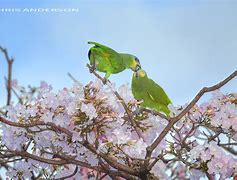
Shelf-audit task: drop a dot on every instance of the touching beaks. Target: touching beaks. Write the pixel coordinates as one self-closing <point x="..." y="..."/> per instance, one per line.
<point x="136" y="74"/>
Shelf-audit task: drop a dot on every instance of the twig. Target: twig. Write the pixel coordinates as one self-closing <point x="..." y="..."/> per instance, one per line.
<point x="229" y="149"/>
<point x="40" y="159"/>
<point x="154" y="113"/>
<point x="229" y="144"/>
<point x="73" y="78"/>
<point x="185" y="111"/>
<point x="36" y="123"/>
<point x="60" y="162"/>
<point x="211" y="138"/>
<point x="68" y="176"/>
<point x="15" y="93"/>
<point x="9" y="78"/>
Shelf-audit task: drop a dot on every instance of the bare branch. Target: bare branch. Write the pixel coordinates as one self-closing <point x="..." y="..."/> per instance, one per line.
<point x="9" y="78"/>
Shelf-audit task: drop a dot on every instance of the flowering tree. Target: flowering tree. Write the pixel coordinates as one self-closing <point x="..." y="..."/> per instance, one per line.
<point x="95" y="132"/>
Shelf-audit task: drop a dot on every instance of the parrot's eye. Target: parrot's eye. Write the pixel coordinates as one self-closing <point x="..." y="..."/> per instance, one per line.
<point x="137" y="60"/>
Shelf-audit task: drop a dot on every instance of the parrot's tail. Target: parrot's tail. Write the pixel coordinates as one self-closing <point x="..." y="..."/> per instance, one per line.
<point x="89" y="53"/>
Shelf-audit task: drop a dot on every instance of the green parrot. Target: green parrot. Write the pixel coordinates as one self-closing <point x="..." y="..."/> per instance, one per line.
<point x="152" y="94"/>
<point x="107" y="60"/>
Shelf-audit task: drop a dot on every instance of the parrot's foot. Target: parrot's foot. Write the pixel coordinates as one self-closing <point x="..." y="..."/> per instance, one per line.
<point x="92" y="69"/>
<point x="104" y="80"/>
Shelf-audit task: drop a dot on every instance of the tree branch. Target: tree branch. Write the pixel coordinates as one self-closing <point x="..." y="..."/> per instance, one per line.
<point x="175" y="119"/>
<point x="108" y="158"/>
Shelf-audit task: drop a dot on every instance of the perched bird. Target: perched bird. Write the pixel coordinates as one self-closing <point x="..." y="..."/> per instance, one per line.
<point x="107" y="60"/>
<point x="153" y="96"/>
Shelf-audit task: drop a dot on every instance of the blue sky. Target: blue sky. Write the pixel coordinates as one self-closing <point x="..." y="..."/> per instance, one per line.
<point x="183" y="45"/>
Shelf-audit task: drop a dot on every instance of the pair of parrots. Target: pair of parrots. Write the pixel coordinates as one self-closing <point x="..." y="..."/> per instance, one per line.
<point x="107" y="60"/>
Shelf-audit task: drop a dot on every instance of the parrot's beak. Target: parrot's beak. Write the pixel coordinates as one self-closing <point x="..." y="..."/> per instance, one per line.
<point x="138" y="67"/>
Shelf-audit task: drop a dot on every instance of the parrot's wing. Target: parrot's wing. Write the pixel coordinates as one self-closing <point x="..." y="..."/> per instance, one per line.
<point x="157" y="94"/>
<point x="136" y="92"/>
<point x="103" y="47"/>
<point x="109" y="55"/>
